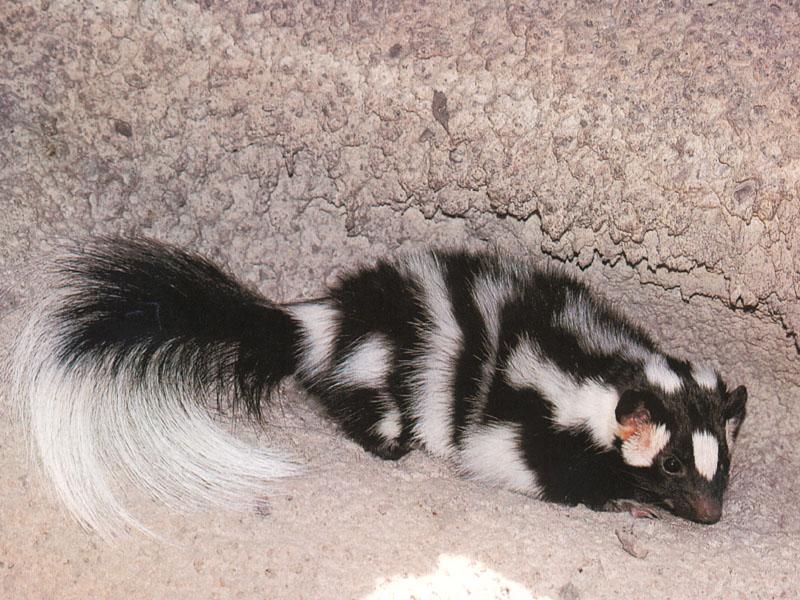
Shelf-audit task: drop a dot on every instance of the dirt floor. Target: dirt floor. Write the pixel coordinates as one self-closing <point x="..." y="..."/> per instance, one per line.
<point x="653" y="150"/>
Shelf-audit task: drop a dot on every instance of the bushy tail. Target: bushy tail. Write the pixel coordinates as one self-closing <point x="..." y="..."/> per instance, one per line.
<point x="115" y="365"/>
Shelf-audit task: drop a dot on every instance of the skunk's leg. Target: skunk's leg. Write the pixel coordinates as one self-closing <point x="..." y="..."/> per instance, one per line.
<point x="370" y="418"/>
<point x="637" y="509"/>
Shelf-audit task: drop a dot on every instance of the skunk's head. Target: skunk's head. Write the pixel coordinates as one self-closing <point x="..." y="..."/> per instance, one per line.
<point x="677" y="445"/>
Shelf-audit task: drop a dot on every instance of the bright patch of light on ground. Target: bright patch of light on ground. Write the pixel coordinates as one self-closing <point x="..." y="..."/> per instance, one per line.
<point x="455" y="578"/>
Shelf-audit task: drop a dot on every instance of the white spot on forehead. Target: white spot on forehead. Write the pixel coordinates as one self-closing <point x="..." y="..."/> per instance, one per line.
<point x="706" y="453"/>
<point x="368" y="365"/>
<point x="588" y="404"/>
<point x="492" y="453"/>
<point x="658" y="373"/>
<point x="641" y="449"/>
<point x="704" y="376"/>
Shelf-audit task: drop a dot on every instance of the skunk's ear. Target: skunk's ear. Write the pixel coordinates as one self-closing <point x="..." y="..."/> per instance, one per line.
<point x="734" y="410"/>
<point x="641" y="438"/>
<point x="632" y="413"/>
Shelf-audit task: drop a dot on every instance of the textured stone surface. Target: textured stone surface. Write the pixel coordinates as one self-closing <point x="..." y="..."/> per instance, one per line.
<point x="656" y="148"/>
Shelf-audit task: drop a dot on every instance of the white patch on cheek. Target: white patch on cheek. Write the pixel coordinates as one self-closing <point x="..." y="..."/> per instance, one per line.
<point x="704" y="376"/>
<point x="706" y="453"/>
<point x="658" y="373"/>
<point x="641" y="448"/>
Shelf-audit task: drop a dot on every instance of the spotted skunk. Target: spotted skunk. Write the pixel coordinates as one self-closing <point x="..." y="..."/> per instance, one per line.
<point x="520" y="377"/>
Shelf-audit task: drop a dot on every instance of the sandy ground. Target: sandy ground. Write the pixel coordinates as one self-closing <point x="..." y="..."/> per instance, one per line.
<point x="654" y="148"/>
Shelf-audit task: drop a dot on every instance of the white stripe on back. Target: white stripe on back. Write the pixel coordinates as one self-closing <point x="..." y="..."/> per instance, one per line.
<point x="492" y="453"/>
<point x="319" y="322"/>
<point x="589" y="404"/>
<point x="704" y="376"/>
<point x="442" y="343"/>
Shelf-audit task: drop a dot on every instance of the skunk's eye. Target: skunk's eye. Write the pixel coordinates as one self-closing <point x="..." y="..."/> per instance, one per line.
<point x="671" y="465"/>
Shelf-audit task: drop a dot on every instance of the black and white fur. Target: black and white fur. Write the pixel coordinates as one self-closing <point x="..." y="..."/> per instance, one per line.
<point x="520" y="377"/>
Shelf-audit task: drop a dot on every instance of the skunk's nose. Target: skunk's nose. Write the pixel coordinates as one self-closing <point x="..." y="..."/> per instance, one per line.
<point x="706" y="509"/>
